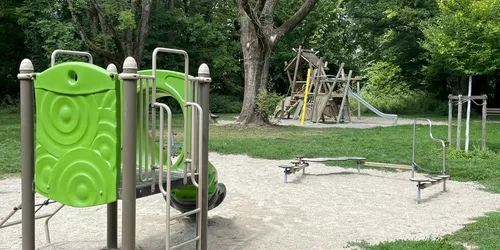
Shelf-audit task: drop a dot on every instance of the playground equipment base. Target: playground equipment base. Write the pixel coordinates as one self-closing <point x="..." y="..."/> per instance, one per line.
<point x="143" y="188"/>
<point x="301" y="163"/>
<point x="423" y="183"/>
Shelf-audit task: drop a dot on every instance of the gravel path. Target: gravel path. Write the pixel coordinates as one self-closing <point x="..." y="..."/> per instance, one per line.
<point x="325" y="209"/>
<point x="365" y="122"/>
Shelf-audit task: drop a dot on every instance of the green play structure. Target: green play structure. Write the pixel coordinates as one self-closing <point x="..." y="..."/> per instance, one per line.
<point x="78" y="134"/>
<point x="90" y="121"/>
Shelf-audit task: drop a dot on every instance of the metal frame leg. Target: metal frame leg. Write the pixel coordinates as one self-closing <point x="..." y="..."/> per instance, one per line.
<point x="129" y="153"/>
<point x="27" y="154"/>
<point x="46" y="223"/>
<point x="112" y="225"/>
<point x="418" y="193"/>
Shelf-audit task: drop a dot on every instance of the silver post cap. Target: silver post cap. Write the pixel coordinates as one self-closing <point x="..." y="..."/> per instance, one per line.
<point x="112" y="68"/>
<point x="203" y="74"/>
<point x="203" y="70"/>
<point x="129" y="64"/>
<point x="26" y="66"/>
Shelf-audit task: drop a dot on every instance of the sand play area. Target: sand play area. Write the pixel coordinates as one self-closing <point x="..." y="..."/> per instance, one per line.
<point x="327" y="208"/>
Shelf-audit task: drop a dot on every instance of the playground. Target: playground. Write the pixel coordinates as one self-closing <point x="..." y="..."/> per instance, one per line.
<point x="356" y="181"/>
<point x="261" y="212"/>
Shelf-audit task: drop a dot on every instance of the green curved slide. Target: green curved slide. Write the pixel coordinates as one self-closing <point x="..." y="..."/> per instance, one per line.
<point x="78" y="136"/>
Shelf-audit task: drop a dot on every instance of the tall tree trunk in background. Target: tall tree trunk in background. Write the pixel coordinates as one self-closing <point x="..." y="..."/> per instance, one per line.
<point x="258" y="38"/>
<point x="125" y="43"/>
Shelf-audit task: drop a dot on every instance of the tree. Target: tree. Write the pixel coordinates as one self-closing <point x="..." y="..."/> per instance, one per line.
<point x="464" y="36"/>
<point x="12" y="49"/>
<point x="112" y="29"/>
<point x="258" y="38"/>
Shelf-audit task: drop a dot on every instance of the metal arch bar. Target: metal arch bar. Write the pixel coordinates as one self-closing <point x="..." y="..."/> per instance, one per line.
<point x="166" y="193"/>
<point x="69" y="52"/>
<point x="443" y="145"/>
<point x="186" y="85"/>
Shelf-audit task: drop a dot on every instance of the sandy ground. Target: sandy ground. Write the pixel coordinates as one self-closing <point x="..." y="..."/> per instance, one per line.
<point x="325" y="209"/>
<point x="364" y="122"/>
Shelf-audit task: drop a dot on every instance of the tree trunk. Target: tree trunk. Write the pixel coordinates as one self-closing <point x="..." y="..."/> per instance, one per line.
<point x="258" y="38"/>
<point x="254" y="54"/>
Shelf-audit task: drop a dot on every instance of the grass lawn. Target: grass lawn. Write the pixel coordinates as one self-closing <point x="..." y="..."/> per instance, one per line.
<point x="389" y="145"/>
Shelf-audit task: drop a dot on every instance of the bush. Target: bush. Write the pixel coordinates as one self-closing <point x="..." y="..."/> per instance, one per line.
<point x="9" y="104"/>
<point x="225" y="104"/>
<point x="267" y="101"/>
<point x="387" y="91"/>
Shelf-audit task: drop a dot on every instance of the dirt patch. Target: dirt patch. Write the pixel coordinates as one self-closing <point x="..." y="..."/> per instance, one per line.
<point x="325" y="209"/>
<point x="363" y="123"/>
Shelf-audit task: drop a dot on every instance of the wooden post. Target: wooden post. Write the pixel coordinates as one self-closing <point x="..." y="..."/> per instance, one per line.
<point x="316" y="84"/>
<point x="450" y="118"/>
<point x="483" y="121"/>
<point x="341" y="109"/>
<point x="459" y="120"/>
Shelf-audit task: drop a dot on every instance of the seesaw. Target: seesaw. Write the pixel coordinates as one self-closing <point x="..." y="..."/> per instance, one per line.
<point x="301" y="163"/>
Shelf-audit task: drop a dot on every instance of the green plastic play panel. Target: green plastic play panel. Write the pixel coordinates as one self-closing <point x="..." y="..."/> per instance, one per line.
<point x="78" y="133"/>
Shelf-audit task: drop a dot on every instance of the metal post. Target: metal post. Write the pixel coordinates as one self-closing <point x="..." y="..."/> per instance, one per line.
<point x="418" y="193"/>
<point x="459" y="120"/>
<point x="413" y="148"/>
<point x="359" y="104"/>
<point x="27" y="154"/>
<point x="203" y="91"/>
<point x="129" y="77"/>
<point x="483" y="121"/>
<point x="112" y="213"/>
<point x="467" y="123"/>
<point x="450" y="118"/>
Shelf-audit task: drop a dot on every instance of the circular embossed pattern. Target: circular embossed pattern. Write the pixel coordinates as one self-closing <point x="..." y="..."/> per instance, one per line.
<point x="106" y="141"/>
<point x="67" y="122"/>
<point x="82" y="178"/>
<point x="43" y="170"/>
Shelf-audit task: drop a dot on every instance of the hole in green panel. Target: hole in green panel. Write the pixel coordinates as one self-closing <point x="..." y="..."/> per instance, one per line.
<point x="73" y="77"/>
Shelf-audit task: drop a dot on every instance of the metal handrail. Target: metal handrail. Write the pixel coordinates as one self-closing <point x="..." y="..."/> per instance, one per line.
<point x="69" y="52"/>
<point x="169" y="148"/>
<point x="433" y="138"/>
<point x="200" y="140"/>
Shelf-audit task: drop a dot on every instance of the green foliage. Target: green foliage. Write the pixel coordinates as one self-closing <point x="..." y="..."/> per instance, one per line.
<point x="389" y="31"/>
<point x="483" y="232"/>
<point x="410" y="245"/>
<point x="47" y="27"/>
<point x="208" y="32"/>
<point x="387" y="90"/>
<point x="463" y="38"/>
<point x="267" y="101"/>
<point x="225" y="104"/>
<point x="126" y="20"/>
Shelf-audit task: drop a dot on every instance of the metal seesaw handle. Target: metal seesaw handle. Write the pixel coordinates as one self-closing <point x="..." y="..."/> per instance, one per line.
<point x="443" y="145"/>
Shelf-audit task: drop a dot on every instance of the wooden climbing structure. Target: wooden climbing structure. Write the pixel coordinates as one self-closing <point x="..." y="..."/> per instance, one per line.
<point x="328" y="95"/>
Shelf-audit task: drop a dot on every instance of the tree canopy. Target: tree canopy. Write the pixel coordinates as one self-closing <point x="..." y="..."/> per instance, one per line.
<point x="396" y="45"/>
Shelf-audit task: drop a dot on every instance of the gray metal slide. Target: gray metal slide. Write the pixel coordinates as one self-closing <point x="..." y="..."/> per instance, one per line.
<point x="369" y="106"/>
